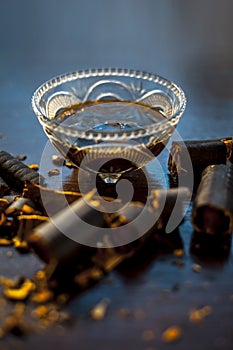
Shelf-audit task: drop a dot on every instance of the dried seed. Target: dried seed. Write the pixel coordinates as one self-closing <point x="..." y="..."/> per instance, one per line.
<point x="57" y="160"/>
<point x="22" y="246"/>
<point x="21" y="206"/>
<point x="178" y="253"/>
<point x="5" y="242"/>
<point x="53" y="172"/>
<point x="112" y="262"/>
<point x="196" y="267"/>
<point x="172" y="334"/>
<point x="42" y="296"/>
<point x="69" y="165"/>
<point x="197" y="315"/>
<point x="21" y="157"/>
<point x="99" y="311"/>
<point x="53" y="316"/>
<point x="86" y="277"/>
<point x="41" y="311"/>
<point x="20" y="293"/>
<point x="9" y="283"/>
<point x="14" y="322"/>
<point x="34" y="166"/>
<point x="40" y="275"/>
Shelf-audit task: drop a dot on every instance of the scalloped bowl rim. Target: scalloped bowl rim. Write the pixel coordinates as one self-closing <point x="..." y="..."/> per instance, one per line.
<point x="97" y="72"/>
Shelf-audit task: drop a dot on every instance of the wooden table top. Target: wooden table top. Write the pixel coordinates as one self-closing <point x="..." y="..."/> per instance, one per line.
<point x="157" y="292"/>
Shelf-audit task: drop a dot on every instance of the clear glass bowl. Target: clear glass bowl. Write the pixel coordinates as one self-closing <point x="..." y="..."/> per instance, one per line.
<point x="109" y="121"/>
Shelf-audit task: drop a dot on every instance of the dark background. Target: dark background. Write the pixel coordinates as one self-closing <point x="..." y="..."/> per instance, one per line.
<point x="189" y="42"/>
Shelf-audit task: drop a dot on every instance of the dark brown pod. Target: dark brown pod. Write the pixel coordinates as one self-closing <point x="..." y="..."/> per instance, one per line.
<point x="173" y="200"/>
<point x="164" y="212"/>
<point x="52" y="245"/>
<point x="231" y="153"/>
<point x="4" y="188"/>
<point x="160" y="201"/>
<point x="213" y="206"/>
<point x="15" y="173"/>
<point x="202" y="153"/>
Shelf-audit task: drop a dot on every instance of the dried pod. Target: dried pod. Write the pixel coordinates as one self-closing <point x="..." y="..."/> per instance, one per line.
<point x="161" y="204"/>
<point x="4" y="188"/>
<point x="51" y="244"/>
<point x="202" y="153"/>
<point x="49" y="240"/>
<point x="171" y="201"/>
<point x="137" y="224"/>
<point x="213" y="206"/>
<point x="15" y="173"/>
<point x="3" y="205"/>
<point x="214" y="246"/>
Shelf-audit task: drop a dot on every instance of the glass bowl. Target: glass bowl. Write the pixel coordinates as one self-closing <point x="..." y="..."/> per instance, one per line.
<point x="109" y="121"/>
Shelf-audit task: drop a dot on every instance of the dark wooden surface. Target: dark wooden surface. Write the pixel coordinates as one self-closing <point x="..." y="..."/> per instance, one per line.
<point x="188" y="42"/>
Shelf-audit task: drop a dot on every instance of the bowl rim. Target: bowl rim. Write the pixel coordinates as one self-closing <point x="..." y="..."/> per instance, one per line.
<point x="105" y="72"/>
